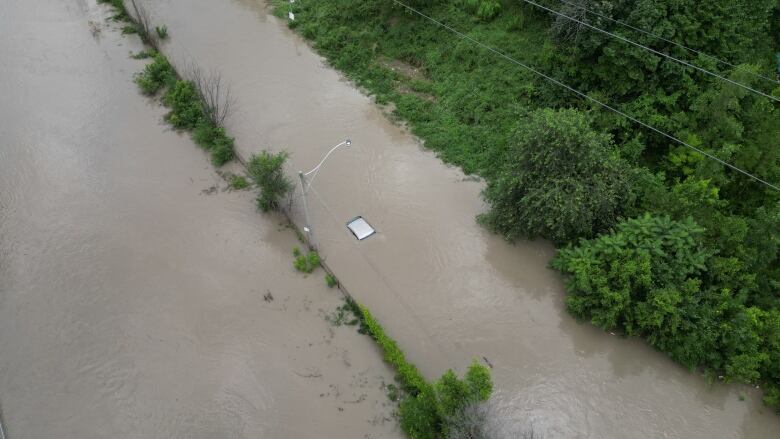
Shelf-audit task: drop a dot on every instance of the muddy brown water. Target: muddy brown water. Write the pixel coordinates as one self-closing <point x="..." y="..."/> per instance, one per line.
<point x="133" y="296"/>
<point x="446" y="289"/>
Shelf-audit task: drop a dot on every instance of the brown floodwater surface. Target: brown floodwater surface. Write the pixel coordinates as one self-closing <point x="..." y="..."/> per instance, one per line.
<point x="446" y="289"/>
<point x="138" y="297"/>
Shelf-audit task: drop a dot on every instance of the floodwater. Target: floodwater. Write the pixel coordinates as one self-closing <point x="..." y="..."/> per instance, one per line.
<point x="138" y="298"/>
<point x="447" y="290"/>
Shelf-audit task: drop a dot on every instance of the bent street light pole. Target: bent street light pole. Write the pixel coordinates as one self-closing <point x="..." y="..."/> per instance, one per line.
<point x="307" y="227"/>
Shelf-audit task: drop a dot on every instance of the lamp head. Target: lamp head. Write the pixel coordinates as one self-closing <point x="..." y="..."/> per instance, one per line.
<point x="348" y="143"/>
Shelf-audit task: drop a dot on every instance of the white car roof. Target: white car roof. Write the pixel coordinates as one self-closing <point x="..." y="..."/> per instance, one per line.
<point x="360" y="228"/>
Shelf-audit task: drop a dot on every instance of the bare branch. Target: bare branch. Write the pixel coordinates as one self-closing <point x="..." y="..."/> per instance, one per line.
<point x="143" y="20"/>
<point x="215" y="95"/>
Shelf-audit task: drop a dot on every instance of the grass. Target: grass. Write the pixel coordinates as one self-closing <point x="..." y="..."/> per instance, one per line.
<point x="331" y="280"/>
<point x="238" y="182"/>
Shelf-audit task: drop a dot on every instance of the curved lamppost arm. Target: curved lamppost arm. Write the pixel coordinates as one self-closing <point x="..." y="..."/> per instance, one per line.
<point x="316" y="169"/>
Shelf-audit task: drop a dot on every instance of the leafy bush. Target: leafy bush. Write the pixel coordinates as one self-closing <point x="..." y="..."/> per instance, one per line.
<point x="222" y="150"/>
<point x="306" y="263"/>
<point x="330" y="280"/>
<point x="267" y="172"/>
<point x="238" y="182"/>
<point x="561" y="181"/>
<point x="184" y="103"/>
<point x="156" y="75"/>
<point x="162" y="31"/>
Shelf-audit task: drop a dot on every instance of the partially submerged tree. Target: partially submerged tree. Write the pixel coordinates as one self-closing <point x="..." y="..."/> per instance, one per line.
<point x="561" y="181"/>
<point x="267" y="172"/>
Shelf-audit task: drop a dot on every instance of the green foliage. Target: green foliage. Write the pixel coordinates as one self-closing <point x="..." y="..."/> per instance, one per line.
<point x="267" y="172"/>
<point x="183" y="100"/>
<point x="162" y="32"/>
<point x="412" y="380"/>
<point x="238" y="182"/>
<point x="143" y="54"/>
<point x="330" y="280"/>
<point x="129" y="29"/>
<point x="484" y="9"/>
<point x="306" y="263"/>
<point x="119" y="7"/>
<point x="156" y="75"/>
<point x="561" y="180"/>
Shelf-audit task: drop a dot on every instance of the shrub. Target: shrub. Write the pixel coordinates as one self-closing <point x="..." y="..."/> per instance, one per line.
<point x="162" y="32"/>
<point x="143" y="54"/>
<point x="267" y="172"/>
<point x="129" y="29"/>
<point x="330" y="280"/>
<point x="238" y="182"/>
<point x="222" y="150"/>
<point x="155" y="75"/>
<point x="306" y="263"/>
<point x="183" y="101"/>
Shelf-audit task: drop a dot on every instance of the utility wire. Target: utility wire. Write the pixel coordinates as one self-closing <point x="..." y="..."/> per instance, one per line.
<point x="698" y="52"/>
<point x="584" y="95"/>
<point x="665" y="55"/>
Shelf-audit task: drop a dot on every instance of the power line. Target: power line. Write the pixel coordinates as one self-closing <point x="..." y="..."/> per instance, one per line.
<point x="584" y="95"/>
<point x="665" y="55"/>
<point x="698" y="52"/>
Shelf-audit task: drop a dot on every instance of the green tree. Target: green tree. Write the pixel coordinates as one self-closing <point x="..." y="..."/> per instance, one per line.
<point x="267" y="172"/>
<point x="561" y="181"/>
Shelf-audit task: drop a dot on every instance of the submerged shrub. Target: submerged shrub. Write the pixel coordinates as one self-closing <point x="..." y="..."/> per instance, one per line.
<point x="155" y="75"/>
<point x="222" y="150"/>
<point x="184" y="103"/>
<point x="162" y="32"/>
<point x="238" y="182"/>
<point x="267" y="172"/>
<point x="306" y="263"/>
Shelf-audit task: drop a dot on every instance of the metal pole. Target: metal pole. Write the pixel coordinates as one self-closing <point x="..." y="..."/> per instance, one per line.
<point x="307" y="226"/>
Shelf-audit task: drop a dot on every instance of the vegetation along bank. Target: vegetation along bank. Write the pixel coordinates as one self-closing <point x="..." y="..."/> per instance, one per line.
<point x="661" y="233"/>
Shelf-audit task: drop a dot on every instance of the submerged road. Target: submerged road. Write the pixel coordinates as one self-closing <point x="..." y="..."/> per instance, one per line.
<point x="446" y="289"/>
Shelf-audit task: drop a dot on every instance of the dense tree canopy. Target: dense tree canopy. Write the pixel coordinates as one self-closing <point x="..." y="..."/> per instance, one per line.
<point x="561" y="180"/>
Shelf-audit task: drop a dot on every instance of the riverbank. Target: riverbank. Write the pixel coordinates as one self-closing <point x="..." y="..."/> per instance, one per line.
<point x="444" y="288"/>
<point x="139" y="296"/>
